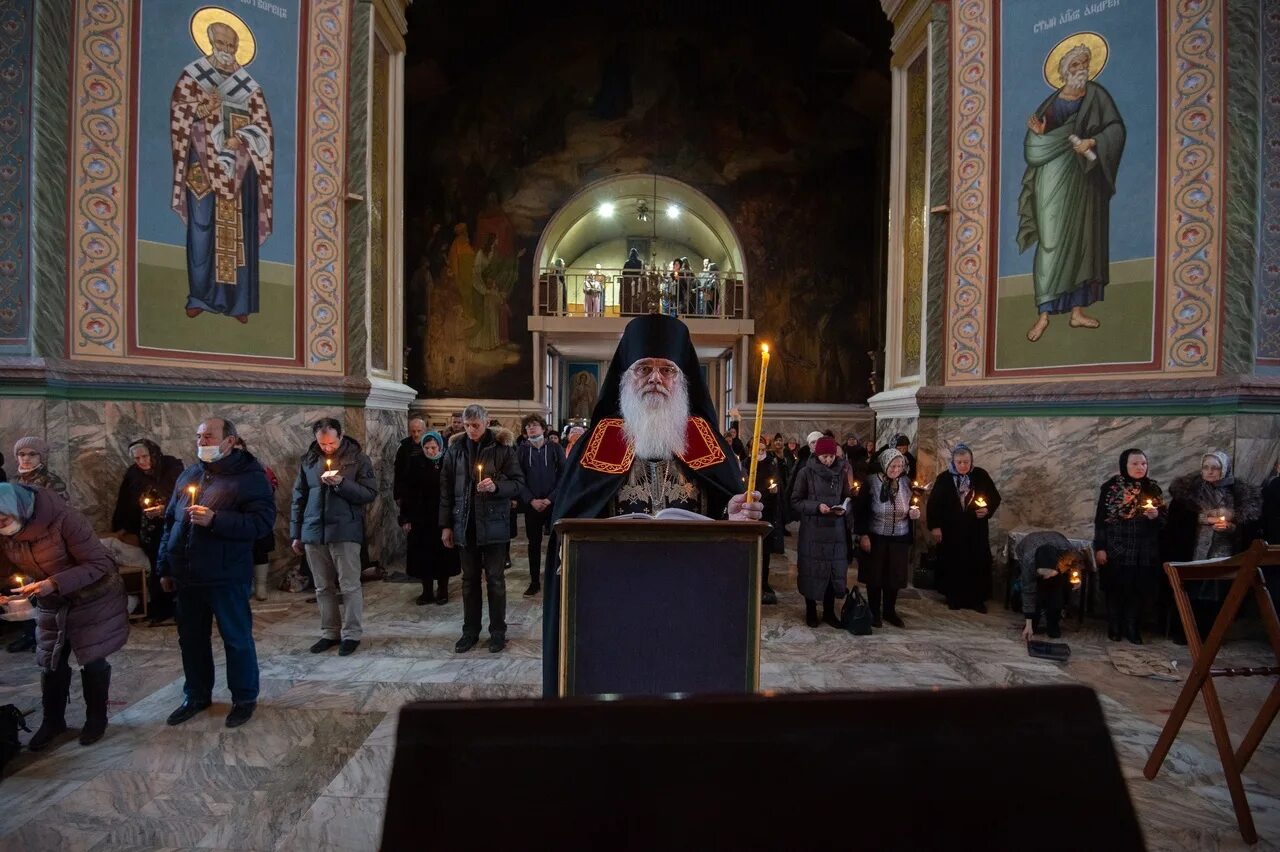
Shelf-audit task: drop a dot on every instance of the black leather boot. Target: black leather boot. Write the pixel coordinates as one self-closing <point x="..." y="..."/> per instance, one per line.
<point x="811" y="613"/>
<point x="1113" y="619"/>
<point x="1131" y="624"/>
<point x="54" y="687"/>
<point x="829" y="609"/>
<point x="97" y="685"/>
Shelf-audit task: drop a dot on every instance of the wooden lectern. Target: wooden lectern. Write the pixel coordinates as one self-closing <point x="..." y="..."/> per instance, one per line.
<point x="659" y="607"/>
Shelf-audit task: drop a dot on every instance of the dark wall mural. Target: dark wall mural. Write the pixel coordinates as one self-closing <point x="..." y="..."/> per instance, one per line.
<point x="781" y="120"/>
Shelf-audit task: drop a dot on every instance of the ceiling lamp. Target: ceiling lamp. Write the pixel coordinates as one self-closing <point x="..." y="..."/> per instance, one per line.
<point x="606" y="209"/>
<point x="673" y="212"/>
<point x="642" y="210"/>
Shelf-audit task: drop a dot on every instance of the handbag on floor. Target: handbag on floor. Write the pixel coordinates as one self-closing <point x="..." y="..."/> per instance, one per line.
<point x="855" y="615"/>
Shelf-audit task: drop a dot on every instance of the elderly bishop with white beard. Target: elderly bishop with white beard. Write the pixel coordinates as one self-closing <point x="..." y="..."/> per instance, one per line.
<point x="653" y="444"/>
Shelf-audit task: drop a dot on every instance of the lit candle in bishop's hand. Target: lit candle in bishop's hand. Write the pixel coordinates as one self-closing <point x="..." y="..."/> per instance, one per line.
<point x="764" y="372"/>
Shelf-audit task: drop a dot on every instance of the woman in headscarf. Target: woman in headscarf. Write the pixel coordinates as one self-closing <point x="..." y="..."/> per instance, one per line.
<point x="1126" y="543"/>
<point x="960" y="505"/>
<point x="882" y="523"/>
<point x="1211" y="514"/>
<point x="79" y="599"/>
<point x="139" y="515"/>
<point x="820" y="489"/>
<point x="427" y="559"/>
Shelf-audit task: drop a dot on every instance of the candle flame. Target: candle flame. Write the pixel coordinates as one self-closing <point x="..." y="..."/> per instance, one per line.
<point x="146" y="501"/>
<point x="980" y="502"/>
<point x="764" y="347"/>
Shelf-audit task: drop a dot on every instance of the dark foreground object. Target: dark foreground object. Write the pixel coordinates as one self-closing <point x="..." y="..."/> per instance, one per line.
<point x="1028" y="768"/>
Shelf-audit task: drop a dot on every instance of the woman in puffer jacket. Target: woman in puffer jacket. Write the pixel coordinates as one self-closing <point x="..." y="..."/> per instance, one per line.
<point x="49" y="553"/>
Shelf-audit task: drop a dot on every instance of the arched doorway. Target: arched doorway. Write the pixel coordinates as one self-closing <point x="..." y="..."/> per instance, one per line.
<point x="583" y="296"/>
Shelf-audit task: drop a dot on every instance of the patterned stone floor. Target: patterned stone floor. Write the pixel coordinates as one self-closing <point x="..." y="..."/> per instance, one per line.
<point x="310" y="770"/>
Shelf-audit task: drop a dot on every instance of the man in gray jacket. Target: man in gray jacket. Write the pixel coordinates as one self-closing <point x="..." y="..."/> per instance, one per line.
<point x="335" y="482"/>
<point x="479" y="478"/>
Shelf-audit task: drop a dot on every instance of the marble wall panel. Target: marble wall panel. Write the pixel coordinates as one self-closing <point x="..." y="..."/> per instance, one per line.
<point x="887" y="427"/>
<point x="89" y="448"/>
<point x="863" y="427"/>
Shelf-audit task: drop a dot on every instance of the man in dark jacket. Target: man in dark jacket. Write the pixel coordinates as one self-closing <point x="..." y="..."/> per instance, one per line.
<point x="541" y="463"/>
<point x="478" y="480"/>
<point x="335" y="482"/>
<point x="220" y="506"/>
<point x="409" y="448"/>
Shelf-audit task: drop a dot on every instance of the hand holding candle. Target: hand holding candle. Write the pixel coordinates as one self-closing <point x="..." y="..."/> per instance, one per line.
<point x="764" y="372"/>
<point x="980" y="502"/>
<point x="191" y="492"/>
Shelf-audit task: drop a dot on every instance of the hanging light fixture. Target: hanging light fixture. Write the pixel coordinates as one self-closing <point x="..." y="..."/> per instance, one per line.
<point x="642" y="210"/>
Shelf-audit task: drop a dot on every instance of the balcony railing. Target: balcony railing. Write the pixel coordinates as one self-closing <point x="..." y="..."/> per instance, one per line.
<point x="618" y="292"/>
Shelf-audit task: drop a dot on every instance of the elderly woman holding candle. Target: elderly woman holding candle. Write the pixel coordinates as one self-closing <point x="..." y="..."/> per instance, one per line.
<point x="50" y="554"/>
<point x="960" y="506"/>
<point x="138" y="518"/>
<point x="1211" y="514"/>
<point x="882" y="522"/>
<point x="1126" y="543"/>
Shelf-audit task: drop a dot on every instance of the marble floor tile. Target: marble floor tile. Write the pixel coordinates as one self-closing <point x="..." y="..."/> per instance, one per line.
<point x="311" y="769"/>
<point x="352" y="825"/>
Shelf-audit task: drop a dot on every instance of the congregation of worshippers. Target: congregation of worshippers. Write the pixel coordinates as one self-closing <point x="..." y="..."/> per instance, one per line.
<point x="202" y="516"/>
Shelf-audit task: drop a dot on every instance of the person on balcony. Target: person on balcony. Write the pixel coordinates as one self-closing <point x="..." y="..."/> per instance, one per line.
<point x="593" y="292"/>
<point x="630" y="295"/>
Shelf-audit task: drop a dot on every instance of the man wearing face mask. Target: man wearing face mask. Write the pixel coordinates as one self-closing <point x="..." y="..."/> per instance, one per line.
<point x="220" y="506"/>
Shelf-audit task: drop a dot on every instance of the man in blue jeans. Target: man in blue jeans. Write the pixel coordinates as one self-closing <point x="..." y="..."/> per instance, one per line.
<point x="221" y="505"/>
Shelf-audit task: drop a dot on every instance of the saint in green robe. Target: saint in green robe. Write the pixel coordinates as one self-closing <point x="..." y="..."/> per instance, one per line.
<point x="1064" y="206"/>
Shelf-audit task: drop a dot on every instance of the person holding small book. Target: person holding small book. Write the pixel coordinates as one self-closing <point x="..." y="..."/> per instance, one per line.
<point x="821" y="496"/>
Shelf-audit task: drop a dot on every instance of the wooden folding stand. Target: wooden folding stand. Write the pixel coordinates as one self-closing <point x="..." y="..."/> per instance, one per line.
<point x="1245" y="572"/>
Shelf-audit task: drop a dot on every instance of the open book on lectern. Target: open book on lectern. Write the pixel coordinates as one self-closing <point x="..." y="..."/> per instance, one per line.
<point x="672" y="514"/>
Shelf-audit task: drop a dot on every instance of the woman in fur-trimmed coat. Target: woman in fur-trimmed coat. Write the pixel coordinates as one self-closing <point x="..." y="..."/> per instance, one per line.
<point x="78" y="596"/>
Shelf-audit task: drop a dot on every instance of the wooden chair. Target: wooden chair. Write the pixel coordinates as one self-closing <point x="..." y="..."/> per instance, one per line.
<point x="1245" y="572"/>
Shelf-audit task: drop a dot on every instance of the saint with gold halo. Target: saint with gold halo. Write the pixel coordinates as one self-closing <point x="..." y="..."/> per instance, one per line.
<point x="1073" y="146"/>
<point x="223" y="150"/>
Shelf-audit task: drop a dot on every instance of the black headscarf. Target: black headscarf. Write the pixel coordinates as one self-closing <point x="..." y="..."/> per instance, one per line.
<point x="585" y="493"/>
<point x="1125" y="495"/>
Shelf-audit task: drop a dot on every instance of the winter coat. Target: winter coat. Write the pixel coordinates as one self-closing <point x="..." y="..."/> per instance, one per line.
<point x="426" y="556"/>
<point x="768" y="470"/>
<point x="329" y="514"/>
<point x="407" y="450"/>
<point x="460" y="504"/>
<point x="821" y="554"/>
<point x="1271" y="511"/>
<point x="1132" y="544"/>
<point x="236" y="488"/>
<point x="1178" y="541"/>
<point x="155" y="485"/>
<point x="89" y="609"/>
<point x="542" y="467"/>
<point x="42" y="477"/>
<point x="966" y="538"/>
<point x="1180" y="536"/>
